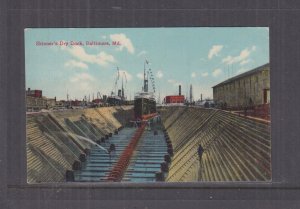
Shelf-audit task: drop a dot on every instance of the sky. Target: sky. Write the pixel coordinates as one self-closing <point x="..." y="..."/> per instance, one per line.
<point x="197" y="56"/>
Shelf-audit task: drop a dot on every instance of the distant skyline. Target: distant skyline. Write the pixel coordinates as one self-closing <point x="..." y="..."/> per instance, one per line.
<point x="201" y="56"/>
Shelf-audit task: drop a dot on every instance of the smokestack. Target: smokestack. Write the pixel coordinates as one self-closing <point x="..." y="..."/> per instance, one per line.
<point x="119" y="92"/>
<point x="179" y="90"/>
<point x="191" y="93"/>
<point x="201" y="98"/>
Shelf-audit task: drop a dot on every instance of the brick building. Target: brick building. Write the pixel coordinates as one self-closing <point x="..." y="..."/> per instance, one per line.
<point x="174" y="99"/>
<point x="34" y="93"/>
<point x="35" y="101"/>
<point x="251" y="88"/>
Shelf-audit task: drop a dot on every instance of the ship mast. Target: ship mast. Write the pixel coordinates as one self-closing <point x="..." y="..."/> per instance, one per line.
<point x="114" y="91"/>
<point x="145" y="79"/>
<point x="122" y="91"/>
<point x="124" y="86"/>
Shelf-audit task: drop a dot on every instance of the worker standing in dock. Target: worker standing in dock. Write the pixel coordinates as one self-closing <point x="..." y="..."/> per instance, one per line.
<point x="111" y="150"/>
<point x="200" y="152"/>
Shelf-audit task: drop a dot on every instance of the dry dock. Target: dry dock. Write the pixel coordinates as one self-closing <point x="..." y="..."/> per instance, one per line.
<point x="236" y="148"/>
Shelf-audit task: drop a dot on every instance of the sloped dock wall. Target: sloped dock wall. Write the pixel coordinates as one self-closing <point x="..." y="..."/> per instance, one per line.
<point x="236" y="148"/>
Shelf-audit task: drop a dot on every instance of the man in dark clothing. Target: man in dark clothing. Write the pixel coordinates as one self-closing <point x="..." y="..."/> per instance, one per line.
<point x="112" y="148"/>
<point x="206" y="104"/>
<point x="200" y="152"/>
<point x="245" y="111"/>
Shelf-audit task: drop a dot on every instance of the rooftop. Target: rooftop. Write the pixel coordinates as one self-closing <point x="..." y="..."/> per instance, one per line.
<point x="250" y="72"/>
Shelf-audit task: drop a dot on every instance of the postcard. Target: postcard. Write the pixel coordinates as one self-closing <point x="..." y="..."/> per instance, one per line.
<point x="186" y="104"/>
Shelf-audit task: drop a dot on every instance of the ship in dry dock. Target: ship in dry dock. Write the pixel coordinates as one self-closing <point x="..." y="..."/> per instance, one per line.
<point x="144" y="101"/>
<point x="118" y="96"/>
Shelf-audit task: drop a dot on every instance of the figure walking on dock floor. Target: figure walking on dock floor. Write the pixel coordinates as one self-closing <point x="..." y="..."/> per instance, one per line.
<point x="200" y="153"/>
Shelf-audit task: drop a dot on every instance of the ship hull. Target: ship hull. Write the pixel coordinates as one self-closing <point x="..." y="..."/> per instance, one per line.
<point x="114" y="101"/>
<point x="144" y="107"/>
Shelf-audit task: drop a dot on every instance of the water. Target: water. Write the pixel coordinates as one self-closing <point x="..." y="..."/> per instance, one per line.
<point x="82" y="138"/>
<point x="90" y="141"/>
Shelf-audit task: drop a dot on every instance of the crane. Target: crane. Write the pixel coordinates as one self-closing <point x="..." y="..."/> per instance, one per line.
<point x="116" y="83"/>
<point x="123" y="89"/>
<point x="98" y="95"/>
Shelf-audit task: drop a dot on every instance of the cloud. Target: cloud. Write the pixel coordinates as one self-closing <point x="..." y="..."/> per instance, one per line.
<point x="205" y="74"/>
<point x="81" y="84"/>
<point x="193" y="75"/>
<point x="214" y="51"/>
<point x="79" y="52"/>
<point x="81" y="77"/>
<point x="244" y="62"/>
<point x="244" y="55"/>
<point x="140" y="76"/>
<point x="217" y="72"/>
<point x="141" y="53"/>
<point x="159" y="74"/>
<point x="171" y="81"/>
<point x="84" y="86"/>
<point x="124" y="41"/>
<point x="76" y="64"/>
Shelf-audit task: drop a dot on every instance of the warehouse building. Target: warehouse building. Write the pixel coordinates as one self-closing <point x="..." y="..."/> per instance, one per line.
<point x="248" y="89"/>
<point x="35" y="101"/>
